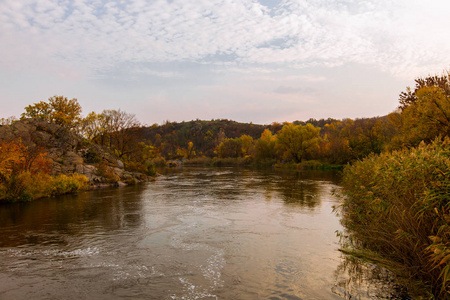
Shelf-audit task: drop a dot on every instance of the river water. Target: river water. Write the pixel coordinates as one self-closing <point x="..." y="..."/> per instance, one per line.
<point x="195" y="233"/>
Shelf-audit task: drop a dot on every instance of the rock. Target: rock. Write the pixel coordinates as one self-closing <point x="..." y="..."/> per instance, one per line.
<point x="79" y="169"/>
<point x="68" y="153"/>
<point x="71" y="158"/>
<point x="89" y="171"/>
<point x="120" y="164"/>
<point x="119" y="172"/>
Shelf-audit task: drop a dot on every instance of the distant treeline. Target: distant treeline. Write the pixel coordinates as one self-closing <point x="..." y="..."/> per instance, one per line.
<point x="422" y="115"/>
<point x="333" y="141"/>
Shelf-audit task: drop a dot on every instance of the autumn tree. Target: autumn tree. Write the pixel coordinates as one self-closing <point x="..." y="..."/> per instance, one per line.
<point x="12" y="156"/>
<point x="7" y="121"/>
<point x="190" y="152"/>
<point x="92" y="126"/>
<point x="364" y="136"/>
<point x="248" y="145"/>
<point x="230" y="148"/>
<point x="58" y="110"/>
<point x="297" y="140"/>
<point x="426" y="118"/>
<point x="16" y="157"/>
<point x="334" y="147"/>
<point x="119" y="130"/>
<point x="265" y="146"/>
<point x="440" y="81"/>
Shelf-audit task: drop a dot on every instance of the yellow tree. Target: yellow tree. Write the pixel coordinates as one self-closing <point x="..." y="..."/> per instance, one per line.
<point x="58" y="110"/>
<point x="297" y="140"/>
<point x="247" y="144"/>
<point x="190" y="153"/>
<point x="90" y="127"/>
<point x="427" y="117"/>
<point x="265" y="146"/>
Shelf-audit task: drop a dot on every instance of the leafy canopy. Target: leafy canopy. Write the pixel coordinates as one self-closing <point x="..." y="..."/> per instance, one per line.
<point x="58" y="110"/>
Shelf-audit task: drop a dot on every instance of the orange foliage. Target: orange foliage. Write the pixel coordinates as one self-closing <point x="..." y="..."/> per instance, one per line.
<point x="15" y="157"/>
<point x="12" y="158"/>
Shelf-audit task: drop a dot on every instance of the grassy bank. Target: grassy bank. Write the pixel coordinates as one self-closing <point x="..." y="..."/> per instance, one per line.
<point x="396" y="206"/>
<point x="309" y="165"/>
<point x="250" y="161"/>
<point x="219" y="162"/>
<point x="26" y="186"/>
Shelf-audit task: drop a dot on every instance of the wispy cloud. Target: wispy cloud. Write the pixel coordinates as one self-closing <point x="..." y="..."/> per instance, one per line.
<point x="258" y="60"/>
<point x="95" y="35"/>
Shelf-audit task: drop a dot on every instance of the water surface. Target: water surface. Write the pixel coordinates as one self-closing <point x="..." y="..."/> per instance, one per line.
<point x="196" y="233"/>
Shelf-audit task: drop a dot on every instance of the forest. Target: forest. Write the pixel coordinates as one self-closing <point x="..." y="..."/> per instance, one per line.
<point x="396" y="168"/>
<point x="422" y="116"/>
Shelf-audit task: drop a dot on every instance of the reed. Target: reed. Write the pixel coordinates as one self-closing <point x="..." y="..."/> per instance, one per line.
<point x="397" y="206"/>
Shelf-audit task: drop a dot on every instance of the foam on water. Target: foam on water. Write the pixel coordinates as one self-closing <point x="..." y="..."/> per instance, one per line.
<point x="90" y="251"/>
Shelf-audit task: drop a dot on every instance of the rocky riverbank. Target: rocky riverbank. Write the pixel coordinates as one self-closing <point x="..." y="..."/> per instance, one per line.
<point x="69" y="153"/>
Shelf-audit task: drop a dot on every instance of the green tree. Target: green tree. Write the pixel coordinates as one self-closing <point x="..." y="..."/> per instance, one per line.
<point x="297" y="140"/>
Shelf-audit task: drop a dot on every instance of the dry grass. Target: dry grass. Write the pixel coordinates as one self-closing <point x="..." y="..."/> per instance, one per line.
<point x="397" y="205"/>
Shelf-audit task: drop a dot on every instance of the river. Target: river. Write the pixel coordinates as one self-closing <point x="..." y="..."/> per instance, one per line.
<point x="195" y="233"/>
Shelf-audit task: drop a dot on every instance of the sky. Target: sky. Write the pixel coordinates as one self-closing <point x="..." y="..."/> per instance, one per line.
<point x="245" y="60"/>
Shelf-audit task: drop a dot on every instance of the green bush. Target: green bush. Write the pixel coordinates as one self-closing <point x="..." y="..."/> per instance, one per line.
<point x="397" y="205"/>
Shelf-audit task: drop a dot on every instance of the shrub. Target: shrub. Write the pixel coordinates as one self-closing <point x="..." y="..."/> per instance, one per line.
<point x="26" y="186"/>
<point x="146" y="168"/>
<point x="107" y="172"/>
<point x="397" y="205"/>
<point x="158" y="161"/>
<point x="63" y="184"/>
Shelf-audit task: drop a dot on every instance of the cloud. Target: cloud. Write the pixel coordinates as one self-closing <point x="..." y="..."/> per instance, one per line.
<point x="400" y="36"/>
<point x="293" y="90"/>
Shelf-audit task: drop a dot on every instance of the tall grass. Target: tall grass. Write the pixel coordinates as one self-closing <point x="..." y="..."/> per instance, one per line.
<point x="396" y="210"/>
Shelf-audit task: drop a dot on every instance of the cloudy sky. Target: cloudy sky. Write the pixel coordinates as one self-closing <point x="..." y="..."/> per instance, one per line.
<point x="246" y="60"/>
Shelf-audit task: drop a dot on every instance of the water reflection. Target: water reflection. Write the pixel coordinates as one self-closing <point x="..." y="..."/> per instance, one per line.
<point x="47" y="221"/>
<point x="195" y="233"/>
<point x="360" y="280"/>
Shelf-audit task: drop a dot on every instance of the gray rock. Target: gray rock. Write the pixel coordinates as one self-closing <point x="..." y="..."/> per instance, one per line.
<point x="68" y="153"/>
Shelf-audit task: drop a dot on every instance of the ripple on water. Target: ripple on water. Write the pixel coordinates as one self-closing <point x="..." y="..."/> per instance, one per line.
<point x="53" y="252"/>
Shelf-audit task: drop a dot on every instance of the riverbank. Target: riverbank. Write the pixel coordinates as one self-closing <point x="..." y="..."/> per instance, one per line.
<point x="251" y="162"/>
<point x="200" y="232"/>
<point x="41" y="159"/>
